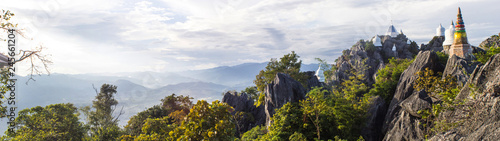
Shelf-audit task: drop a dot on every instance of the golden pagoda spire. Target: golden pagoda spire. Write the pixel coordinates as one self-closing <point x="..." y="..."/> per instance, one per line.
<point x="460" y="34"/>
<point x="460" y="46"/>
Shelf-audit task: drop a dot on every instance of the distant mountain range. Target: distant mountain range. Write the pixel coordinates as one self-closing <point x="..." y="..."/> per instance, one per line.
<point x="137" y="91"/>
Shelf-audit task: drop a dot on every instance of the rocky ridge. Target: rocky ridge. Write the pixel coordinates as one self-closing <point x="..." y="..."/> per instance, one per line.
<point x="399" y="119"/>
<point x="367" y="59"/>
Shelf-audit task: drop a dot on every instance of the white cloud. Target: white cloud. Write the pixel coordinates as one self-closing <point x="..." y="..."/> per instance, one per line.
<point x="166" y="35"/>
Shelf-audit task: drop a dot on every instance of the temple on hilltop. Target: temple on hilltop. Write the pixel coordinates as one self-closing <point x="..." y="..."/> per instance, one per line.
<point x="393" y="44"/>
<point x="377" y="41"/>
<point x="460" y="46"/>
<point x="448" y="38"/>
<point x="392" y="31"/>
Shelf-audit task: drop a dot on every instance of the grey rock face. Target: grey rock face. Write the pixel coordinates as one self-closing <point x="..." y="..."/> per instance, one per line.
<point x="493" y="41"/>
<point x="482" y="121"/>
<point x="282" y="89"/>
<point x="406" y="128"/>
<point x="253" y="115"/>
<point x="459" y="68"/>
<point x="400" y="123"/>
<point x="376" y="113"/>
<point x="436" y="44"/>
<point x="485" y="79"/>
<point x="416" y="102"/>
<point x="369" y="61"/>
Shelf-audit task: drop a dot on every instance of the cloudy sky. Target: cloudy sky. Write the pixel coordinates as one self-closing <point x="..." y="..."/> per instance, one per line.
<point x="96" y="36"/>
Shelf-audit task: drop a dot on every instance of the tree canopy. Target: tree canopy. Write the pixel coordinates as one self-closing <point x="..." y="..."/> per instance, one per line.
<point x="57" y="122"/>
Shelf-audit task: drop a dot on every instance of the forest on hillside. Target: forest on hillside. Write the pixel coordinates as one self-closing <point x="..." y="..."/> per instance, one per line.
<point x="344" y="107"/>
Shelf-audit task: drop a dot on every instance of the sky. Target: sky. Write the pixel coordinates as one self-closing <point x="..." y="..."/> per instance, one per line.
<point x="111" y="36"/>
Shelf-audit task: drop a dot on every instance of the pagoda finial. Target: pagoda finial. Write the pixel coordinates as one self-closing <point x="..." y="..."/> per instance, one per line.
<point x="460" y="46"/>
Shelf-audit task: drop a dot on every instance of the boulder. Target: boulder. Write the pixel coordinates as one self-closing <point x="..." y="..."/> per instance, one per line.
<point x="281" y="90"/>
<point x="416" y="102"/>
<point x="459" y="68"/>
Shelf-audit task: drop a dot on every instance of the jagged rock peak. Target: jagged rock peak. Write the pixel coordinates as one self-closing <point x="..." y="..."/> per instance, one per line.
<point x="281" y="90"/>
<point x="483" y="102"/>
<point x="400" y="123"/>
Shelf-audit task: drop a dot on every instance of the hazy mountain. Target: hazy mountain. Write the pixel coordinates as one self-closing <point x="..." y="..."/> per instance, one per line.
<point x="137" y="91"/>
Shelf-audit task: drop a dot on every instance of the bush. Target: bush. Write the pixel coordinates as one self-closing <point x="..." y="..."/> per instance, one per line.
<point x="484" y="57"/>
<point x="370" y="48"/>
<point x="443" y="57"/>
<point x="388" y="77"/>
<point x="444" y="90"/>
<point x="254" y="133"/>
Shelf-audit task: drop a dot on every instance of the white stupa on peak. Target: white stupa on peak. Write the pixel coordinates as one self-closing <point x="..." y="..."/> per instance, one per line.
<point x="391" y="31"/>
<point x="440" y="30"/>
<point x="449" y="37"/>
<point x="377" y="41"/>
<point x="319" y="74"/>
<point x="394" y="47"/>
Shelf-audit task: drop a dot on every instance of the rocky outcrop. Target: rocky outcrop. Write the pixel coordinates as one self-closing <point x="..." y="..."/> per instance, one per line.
<point x="436" y="44"/>
<point x="493" y="41"/>
<point x="401" y="123"/>
<point x="364" y="58"/>
<point x="252" y="116"/>
<point x="376" y="113"/>
<point x="416" y="102"/>
<point x="281" y="90"/>
<point x="480" y="114"/>
<point x="459" y="68"/>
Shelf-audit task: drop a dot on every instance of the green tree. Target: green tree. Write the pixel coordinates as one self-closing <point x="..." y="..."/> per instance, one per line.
<point x="350" y="103"/>
<point x="169" y="113"/>
<point x="136" y="122"/>
<point x="103" y="126"/>
<point x="370" y="48"/>
<point x="252" y="92"/>
<point x="286" y="121"/>
<point x="413" y="47"/>
<point x="443" y="57"/>
<point x="56" y="122"/>
<point x="177" y="103"/>
<point x="314" y="106"/>
<point x="5" y="25"/>
<point x="155" y="129"/>
<point x="288" y="64"/>
<point x="388" y="77"/>
<point x="254" y="133"/>
<point x="297" y="137"/>
<point x="206" y="122"/>
<point x="442" y="89"/>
